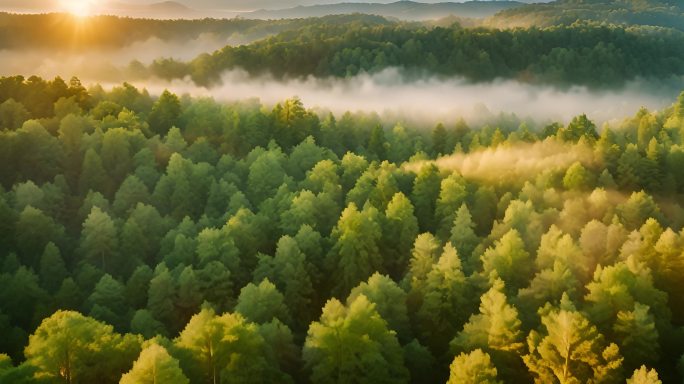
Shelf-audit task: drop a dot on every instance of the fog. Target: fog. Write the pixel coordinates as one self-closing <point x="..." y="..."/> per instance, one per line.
<point x="512" y="163"/>
<point x="433" y="99"/>
<point x="389" y="93"/>
<point x="109" y="65"/>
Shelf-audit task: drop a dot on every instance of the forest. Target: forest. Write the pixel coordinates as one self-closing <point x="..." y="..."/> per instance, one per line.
<point x="178" y="239"/>
<point x="166" y="230"/>
<point x="564" y="43"/>
<point x="60" y="31"/>
<point x="586" y="53"/>
<point x="661" y="13"/>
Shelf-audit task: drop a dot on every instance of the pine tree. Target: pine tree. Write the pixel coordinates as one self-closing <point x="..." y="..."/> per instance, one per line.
<point x="99" y="240"/>
<point x="52" y="268"/>
<point x="444" y="301"/>
<point x="495" y="328"/>
<point x="165" y="113"/>
<point x="638" y="336"/>
<point x="389" y="300"/>
<point x="439" y="140"/>
<point x="451" y="196"/>
<point x="262" y="303"/>
<point x="377" y="143"/>
<point x="473" y="368"/>
<point x="463" y="237"/>
<point x="401" y="229"/>
<point x="155" y="365"/>
<point x="569" y="349"/>
<point x="425" y="193"/>
<point x="356" y="254"/>
<point x="508" y="260"/>
<point x="353" y="344"/>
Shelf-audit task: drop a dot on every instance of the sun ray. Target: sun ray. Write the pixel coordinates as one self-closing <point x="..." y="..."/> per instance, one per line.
<point x="78" y="8"/>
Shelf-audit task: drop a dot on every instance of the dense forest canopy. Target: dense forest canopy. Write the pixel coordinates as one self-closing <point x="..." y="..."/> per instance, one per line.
<point x="159" y="237"/>
<point x="663" y="13"/>
<point x="580" y="54"/>
<point x="177" y="239"/>
<point x="594" y="43"/>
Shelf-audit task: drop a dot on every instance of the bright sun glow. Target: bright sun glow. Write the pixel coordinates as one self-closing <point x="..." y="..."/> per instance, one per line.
<point x="80" y="8"/>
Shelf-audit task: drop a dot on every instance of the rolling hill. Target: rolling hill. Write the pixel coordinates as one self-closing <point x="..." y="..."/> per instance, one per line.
<point x="404" y="10"/>
<point x="661" y="13"/>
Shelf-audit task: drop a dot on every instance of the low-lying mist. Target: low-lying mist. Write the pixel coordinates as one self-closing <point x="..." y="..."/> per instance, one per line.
<point x="112" y="65"/>
<point x="390" y="93"/>
<point x="433" y="99"/>
<point x="102" y="65"/>
<point x="512" y="163"/>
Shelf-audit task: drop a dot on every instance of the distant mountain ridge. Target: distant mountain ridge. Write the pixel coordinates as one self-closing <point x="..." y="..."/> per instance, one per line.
<point x="185" y="9"/>
<point x="405" y="10"/>
<point x="169" y="6"/>
<point x="163" y="9"/>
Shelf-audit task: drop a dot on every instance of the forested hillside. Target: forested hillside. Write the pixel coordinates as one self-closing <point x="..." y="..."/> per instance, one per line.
<point x="584" y="53"/>
<point x="176" y="239"/>
<point x="598" y="44"/>
<point x="662" y="13"/>
<point x="402" y="10"/>
<point x="59" y="31"/>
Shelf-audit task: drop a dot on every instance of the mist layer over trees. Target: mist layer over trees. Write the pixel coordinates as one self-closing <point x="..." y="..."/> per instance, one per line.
<point x="556" y="46"/>
<point x="180" y="240"/>
<point x="584" y="53"/>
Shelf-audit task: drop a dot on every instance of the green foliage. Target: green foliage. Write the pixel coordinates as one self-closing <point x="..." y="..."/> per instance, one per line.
<point x="99" y="240"/>
<point x="355" y="253"/>
<point x="495" y="328"/>
<point x="426" y="189"/>
<point x="401" y="228"/>
<point x="164" y="113"/>
<point x="595" y="54"/>
<point x="579" y="127"/>
<point x="34" y="231"/>
<point x="471" y="368"/>
<point x="75" y="349"/>
<point x="638" y="334"/>
<point x="389" y="300"/>
<point x="239" y="211"/>
<point x="577" y="177"/>
<point x="155" y="365"/>
<point x="353" y="344"/>
<point x="463" y="236"/>
<point x="52" y="268"/>
<point x="108" y="304"/>
<point x="262" y="303"/>
<point x="508" y="260"/>
<point x="12" y="114"/>
<point x="225" y="349"/>
<point x="443" y="301"/>
<point x="451" y="197"/>
<point x="569" y="349"/>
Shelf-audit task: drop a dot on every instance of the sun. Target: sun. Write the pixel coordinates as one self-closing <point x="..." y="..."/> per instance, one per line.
<point x="79" y="8"/>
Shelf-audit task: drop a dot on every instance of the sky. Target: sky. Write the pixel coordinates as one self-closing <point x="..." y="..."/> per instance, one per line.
<point x="235" y="5"/>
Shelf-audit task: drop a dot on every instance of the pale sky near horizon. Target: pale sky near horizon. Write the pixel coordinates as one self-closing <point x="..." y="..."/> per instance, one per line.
<point x="50" y="5"/>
